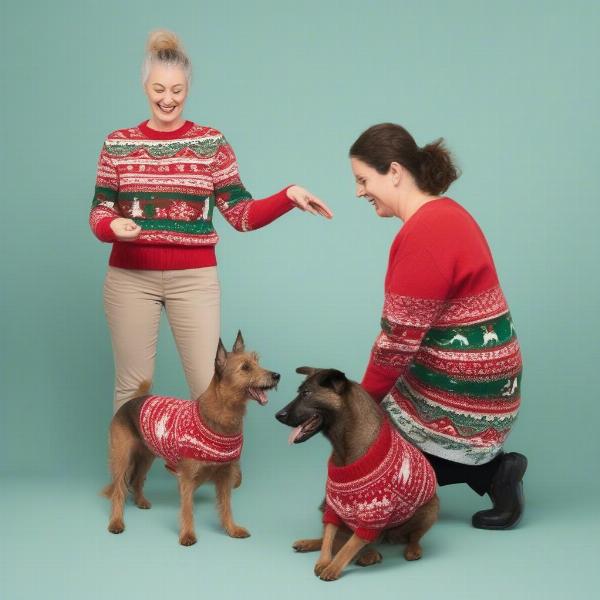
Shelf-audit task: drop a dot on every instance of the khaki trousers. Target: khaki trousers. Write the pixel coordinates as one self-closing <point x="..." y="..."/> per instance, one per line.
<point x="133" y="301"/>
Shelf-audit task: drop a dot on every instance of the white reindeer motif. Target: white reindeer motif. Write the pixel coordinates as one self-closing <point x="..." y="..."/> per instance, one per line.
<point x="461" y="339"/>
<point x="205" y="209"/>
<point x="509" y="388"/>
<point x="489" y="335"/>
<point x="136" y="209"/>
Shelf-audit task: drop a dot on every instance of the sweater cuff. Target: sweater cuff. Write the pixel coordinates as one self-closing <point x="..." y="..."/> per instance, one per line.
<point x="331" y="517"/>
<point x="103" y="231"/>
<point x="368" y="535"/>
<point x="282" y="195"/>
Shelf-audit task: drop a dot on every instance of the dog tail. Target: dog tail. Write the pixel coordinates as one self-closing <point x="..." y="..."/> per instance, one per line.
<point x="143" y="389"/>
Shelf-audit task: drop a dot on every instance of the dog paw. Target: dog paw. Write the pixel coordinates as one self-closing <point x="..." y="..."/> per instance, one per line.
<point x="238" y="532"/>
<point x="116" y="526"/>
<point x="143" y="503"/>
<point x="187" y="539"/>
<point x="368" y="558"/>
<point x="413" y="552"/>
<point x="330" y="573"/>
<point x="307" y="545"/>
<point x="320" y="566"/>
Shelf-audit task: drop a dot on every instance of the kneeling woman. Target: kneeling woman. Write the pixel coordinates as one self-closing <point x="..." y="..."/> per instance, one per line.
<point x="446" y="366"/>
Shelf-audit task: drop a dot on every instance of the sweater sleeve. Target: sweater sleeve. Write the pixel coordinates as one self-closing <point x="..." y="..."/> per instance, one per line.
<point x="235" y="202"/>
<point x="415" y="293"/>
<point x="104" y="204"/>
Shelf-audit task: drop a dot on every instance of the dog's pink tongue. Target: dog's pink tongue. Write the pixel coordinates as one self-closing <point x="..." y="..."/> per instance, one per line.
<point x="295" y="433"/>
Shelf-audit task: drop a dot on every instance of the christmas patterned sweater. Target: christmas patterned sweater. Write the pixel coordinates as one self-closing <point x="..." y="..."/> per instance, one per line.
<point x="447" y="362"/>
<point x="169" y="183"/>
<point x="382" y="489"/>
<point x="172" y="428"/>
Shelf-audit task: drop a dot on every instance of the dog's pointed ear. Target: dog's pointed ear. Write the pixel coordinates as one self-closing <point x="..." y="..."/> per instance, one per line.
<point x="220" y="359"/>
<point x="334" y="379"/>
<point x="239" y="345"/>
<point x="308" y="371"/>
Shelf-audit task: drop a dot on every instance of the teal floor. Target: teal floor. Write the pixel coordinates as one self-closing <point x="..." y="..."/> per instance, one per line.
<point x="54" y="545"/>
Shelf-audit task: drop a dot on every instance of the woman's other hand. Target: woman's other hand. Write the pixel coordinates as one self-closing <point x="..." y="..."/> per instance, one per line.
<point x="126" y="230"/>
<point x="306" y="201"/>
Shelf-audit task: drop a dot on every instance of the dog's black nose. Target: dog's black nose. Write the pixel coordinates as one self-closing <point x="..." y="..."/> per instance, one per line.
<point x="276" y="376"/>
<point x="282" y="416"/>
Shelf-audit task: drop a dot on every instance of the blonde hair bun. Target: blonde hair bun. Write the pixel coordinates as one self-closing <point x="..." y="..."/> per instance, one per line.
<point x="164" y="47"/>
<point x="162" y="40"/>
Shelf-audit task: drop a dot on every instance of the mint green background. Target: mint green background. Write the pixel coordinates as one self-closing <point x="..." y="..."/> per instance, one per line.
<point x="514" y="89"/>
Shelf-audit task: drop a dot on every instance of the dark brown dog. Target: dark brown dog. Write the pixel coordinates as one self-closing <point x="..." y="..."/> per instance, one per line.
<point x="327" y="401"/>
<point x="238" y="377"/>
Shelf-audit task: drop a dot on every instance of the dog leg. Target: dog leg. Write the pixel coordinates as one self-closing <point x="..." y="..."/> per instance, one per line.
<point x="238" y="475"/>
<point x="224" y="485"/>
<point x="142" y="463"/>
<point x="187" y="486"/>
<point x="342" y="559"/>
<point x="329" y="534"/>
<point x="418" y="525"/>
<point x="122" y="443"/>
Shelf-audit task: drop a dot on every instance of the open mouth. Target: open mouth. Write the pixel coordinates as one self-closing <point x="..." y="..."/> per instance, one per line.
<point x="259" y="394"/>
<point x="167" y="109"/>
<point x="306" y="429"/>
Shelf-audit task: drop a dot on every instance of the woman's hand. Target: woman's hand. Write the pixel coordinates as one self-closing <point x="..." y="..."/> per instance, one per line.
<point x="126" y="230"/>
<point x="304" y="200"/>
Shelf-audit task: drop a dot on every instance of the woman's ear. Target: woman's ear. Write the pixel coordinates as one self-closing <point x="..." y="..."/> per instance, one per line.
<point x="396" y="171"/>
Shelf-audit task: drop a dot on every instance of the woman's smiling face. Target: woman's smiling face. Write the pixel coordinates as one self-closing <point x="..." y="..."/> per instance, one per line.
<point x="378" y="189"/>
<point x="166" y="88"/>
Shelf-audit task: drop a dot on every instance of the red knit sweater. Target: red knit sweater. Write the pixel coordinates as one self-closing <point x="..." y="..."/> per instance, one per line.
<point x="380" y="490"/>
<point x="172" y="428"/>
<point x="447" y="359"/>
<point x="169" y="184"/>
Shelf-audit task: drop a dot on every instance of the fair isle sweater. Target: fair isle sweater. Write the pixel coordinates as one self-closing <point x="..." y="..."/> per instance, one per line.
<point x="380" y="490"/>
<point x="446" y="366"/>
<point x="172" y="429"/>
<point x="169" y="183"/>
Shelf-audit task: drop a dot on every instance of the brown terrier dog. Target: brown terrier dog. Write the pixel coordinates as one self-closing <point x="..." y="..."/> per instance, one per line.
<point x="200" y="441"/>
<point x="361" y="435"/>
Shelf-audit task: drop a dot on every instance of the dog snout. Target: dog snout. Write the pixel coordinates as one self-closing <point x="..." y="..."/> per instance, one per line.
<point x="275" y="376"/>
<point x="282" y="416"/>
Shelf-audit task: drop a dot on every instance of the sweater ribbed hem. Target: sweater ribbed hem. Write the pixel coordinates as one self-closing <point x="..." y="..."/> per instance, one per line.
<point x="366" y="464"/>
<point x="128" y="255"/>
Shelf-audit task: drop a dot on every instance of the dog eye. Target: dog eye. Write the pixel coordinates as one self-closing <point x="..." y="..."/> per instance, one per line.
<point x="245" y="367"/>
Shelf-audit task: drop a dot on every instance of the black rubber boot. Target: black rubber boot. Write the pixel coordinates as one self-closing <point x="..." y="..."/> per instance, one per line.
<point x="506" y="492"/>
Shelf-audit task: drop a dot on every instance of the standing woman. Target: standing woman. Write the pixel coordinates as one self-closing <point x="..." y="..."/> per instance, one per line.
<point x="446" y="366"/>
<point x="156" y="189"/>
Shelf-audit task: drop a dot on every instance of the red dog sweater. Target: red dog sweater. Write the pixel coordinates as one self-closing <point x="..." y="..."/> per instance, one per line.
<point x="382" y="489"/>
<point x="172" y="429"/>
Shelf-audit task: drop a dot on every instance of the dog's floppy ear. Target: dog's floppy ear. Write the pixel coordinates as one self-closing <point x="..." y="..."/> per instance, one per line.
<point x="334" y="379"/>
<point x="308" y="371"/>
<point x="239" y="345"/>
<point x="220" y="359"/>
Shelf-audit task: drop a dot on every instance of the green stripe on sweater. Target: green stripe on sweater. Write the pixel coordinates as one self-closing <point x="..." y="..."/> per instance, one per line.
<point x="235" y="193"/>
<point x="149" y="196"/>
<point x="472" y="337"/>
<point x="104" y="194"/>
<point x="486" y="389"/>
<point x="191" y="227"/>
<point x="201" y="147"/>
